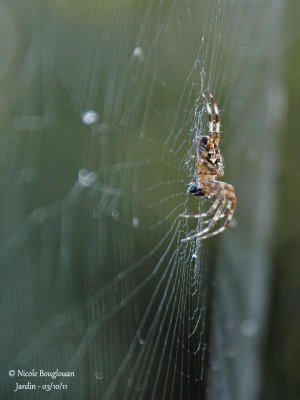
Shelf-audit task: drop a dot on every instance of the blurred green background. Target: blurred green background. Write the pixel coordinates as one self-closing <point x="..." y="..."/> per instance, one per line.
<point x="98" y="108"/>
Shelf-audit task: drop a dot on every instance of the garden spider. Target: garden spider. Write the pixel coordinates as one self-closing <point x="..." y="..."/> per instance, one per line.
<point x="209" y="167"/>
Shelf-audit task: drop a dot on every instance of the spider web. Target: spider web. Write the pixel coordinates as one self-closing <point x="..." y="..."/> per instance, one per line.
<point x="100" y="153"/>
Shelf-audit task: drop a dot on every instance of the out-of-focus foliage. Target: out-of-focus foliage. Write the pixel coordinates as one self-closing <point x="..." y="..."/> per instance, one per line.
<point x="282" y="360"/>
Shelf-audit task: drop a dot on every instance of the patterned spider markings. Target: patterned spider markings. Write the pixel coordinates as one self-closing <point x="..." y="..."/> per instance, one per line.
<point x="210" y="167"/>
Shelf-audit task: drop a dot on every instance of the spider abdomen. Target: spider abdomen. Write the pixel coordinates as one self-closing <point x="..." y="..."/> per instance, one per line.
<point x="215" y="158"/>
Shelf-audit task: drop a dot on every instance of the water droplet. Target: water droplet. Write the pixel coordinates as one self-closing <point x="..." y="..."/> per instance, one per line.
<point x="89" y="117"/>
<point x="249" y="328"/>
<point x="138" y="53"/>
<point x="135" y="222"/>
<point x="121" y="275"/>
<point x="86" y="178"/>
<point x="115" y="214"/>
<point x="99" y="375"/>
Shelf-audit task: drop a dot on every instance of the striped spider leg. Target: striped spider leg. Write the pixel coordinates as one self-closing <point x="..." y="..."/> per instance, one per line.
<point x="209" y="167"/>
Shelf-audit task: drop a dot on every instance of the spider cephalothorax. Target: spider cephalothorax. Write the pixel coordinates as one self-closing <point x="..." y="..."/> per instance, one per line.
<point x="209" y="167"/>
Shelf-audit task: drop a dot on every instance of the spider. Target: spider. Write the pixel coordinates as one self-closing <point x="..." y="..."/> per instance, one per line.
<point x="209" y="167"/>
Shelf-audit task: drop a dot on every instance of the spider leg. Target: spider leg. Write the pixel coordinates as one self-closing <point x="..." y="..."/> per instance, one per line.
<point x="210" y="119"/>
<point x="221" y="229"/>
<point x="218" y="215"/>
<point x="209" y="212"/>
<point x="225" y="208"/>
<point x="229" y="211"/>
<point x="199" y="236"/>
<point x="217" y="118"/>
<point x="206" y="214"/>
